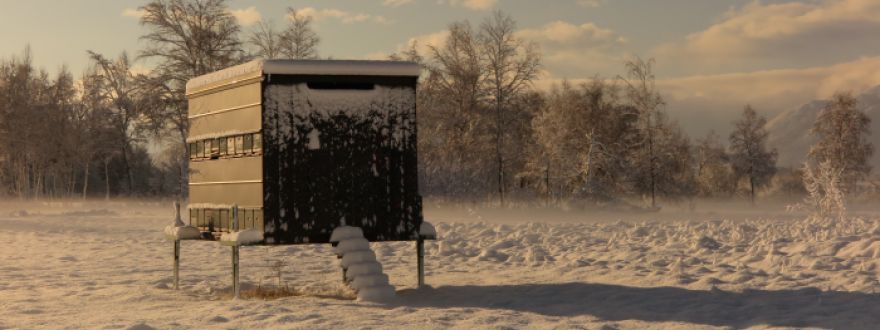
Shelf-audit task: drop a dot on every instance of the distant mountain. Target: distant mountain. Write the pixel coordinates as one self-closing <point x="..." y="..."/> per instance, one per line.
<point x="789" y="132"/>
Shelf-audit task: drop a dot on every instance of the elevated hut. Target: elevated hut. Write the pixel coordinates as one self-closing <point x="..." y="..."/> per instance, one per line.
<point x="303" y="147"/>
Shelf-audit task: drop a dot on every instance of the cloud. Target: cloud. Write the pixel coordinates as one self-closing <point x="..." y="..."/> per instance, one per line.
<point x="793" y="34"/>
<point x="472" y="4"/>
<point x="713" y="101"/>
<point x="343" y="16"/>
<point x="578" y="50"/>
<point x="423" y="45"/>
<point x="701" y="103"/>
<point x="396" y="3"/>
<point x="133" y="13"/>
<point x="246" y="17"/>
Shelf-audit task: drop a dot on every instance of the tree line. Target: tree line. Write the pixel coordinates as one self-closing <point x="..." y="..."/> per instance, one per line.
<point x="486" y="132"/>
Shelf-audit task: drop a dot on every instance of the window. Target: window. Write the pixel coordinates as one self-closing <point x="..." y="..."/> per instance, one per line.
<point x="215" y="148"/>
<point x="258" y="219"/>
<point x="207" y="150"/>
<point x="227" y="146"/>
<point x="224" y="219"/>
<point x="210" y="221"/>
<point x="239" y="145"/>
<point x="192" y="150"/>
<point x="248" y="143"/>
<point x="258" y="142"/>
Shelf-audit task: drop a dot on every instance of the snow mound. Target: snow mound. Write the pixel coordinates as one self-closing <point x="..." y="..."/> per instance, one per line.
<point x="176" y="233"/>
<point x="243" y="237"/>
<point x="427" y="230"/>
<point x="345" y="232"/>
<point x="363" y="272"/>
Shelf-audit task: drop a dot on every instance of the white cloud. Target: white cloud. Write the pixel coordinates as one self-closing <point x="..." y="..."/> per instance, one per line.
<point x="578" y="50"/>
<point x="472" y="4"/>
<point x="396" y="3"/>
<point x="133" y="13"/>
<point x="246" y="17"/>
<point x="341" y="15"/>
<point x="794" y="34"/>
<point x="701" y="103"/>
<point x="423" y="45"/>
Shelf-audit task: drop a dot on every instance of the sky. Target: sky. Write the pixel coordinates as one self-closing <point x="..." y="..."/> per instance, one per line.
<point x="712" y="57"/>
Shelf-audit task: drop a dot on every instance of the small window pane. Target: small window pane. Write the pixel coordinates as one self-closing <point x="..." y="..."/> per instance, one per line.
<point x="239" y="145"/>
<point x="192" y="150"/>
<point x="200" y="149"/>
<point x="230" y="145"/>
<point x="210" y="222"/>
<point x="248" y="143"/>
<point x="258" y="219"/>
<point x="215" y="147"/>
<point x="223" y="145"/>
<point x="258" y="142"/>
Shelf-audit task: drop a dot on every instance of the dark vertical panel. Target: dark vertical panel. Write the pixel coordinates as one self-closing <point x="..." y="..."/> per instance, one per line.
<point x="364" y="173"/>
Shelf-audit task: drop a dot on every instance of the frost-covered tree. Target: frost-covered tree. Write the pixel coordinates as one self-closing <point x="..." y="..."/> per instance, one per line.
<point x="715" y="176"/>
<point x="511" y="64"/>
<point x="643" y="95"/>
<point x="750" y="156"/>
<point x="453" y="145"/>
<point x="842" y="133"/>
<point x="582" y="137"/>
<point x="299" y="40"/>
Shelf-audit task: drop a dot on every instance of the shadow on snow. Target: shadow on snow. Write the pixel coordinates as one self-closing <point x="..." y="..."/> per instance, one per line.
<point x="808" y="307"/>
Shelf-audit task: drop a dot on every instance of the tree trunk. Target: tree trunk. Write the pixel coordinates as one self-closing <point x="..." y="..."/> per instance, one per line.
<point x="752" y="184"/>
<point x="651" y="162"/>
<point x="85" y="190"/>
<point x="106" y="180"/>
<point x="128" y="175"/>
<point x="498" y="153"/>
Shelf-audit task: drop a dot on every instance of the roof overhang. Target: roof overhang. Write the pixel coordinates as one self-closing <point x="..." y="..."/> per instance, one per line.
<point x="256" y="69"/>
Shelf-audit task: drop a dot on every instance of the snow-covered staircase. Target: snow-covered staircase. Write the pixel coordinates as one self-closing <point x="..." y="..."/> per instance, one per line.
<point x="363" y="272"/>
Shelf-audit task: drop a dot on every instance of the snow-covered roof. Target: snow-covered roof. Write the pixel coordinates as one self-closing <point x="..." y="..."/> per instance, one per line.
<point x="257" y="68"/>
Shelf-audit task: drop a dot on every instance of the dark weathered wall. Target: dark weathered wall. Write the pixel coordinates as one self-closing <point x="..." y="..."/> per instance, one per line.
<point x="339" y="150"/>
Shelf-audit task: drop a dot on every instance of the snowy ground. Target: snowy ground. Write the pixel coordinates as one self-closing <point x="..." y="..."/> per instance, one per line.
<point x="106" y="265"/>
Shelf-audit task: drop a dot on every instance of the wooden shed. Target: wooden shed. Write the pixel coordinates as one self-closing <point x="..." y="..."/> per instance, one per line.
<point x="303" y="147"/>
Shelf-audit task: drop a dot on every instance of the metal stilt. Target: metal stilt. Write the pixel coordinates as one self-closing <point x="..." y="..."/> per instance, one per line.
<point x="236" y="286"/>
<point x="420" y="259"/>
<point x="176" y="264"/>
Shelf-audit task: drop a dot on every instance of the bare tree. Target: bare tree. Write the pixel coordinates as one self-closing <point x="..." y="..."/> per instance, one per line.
<point x="451" y="139"/>
<point x="511" y="66"/>
<point x="266" y="40"/>
<point x="714" y="173"/>
<point x="118" y="86"/>
<point x="643" y="94"/>
<point x="842" y="130"/>
<point x="188" y="38"/>
<point x="749" y="153"/>
<point x="299" y="40"/>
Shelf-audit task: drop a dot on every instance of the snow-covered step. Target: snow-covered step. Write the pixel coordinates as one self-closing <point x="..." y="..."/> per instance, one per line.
<point x="363" y="272"/>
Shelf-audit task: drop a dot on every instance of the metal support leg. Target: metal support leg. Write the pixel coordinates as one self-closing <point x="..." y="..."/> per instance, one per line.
<point x="236" y="287"/>
<point x="176" y="264"/>
<point x="420" y="259"/>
